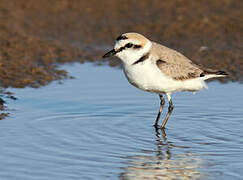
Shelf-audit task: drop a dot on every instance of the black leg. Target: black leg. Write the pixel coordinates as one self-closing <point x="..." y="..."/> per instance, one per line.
<point x="162" y="103"/>
<point x="170" y="109"/>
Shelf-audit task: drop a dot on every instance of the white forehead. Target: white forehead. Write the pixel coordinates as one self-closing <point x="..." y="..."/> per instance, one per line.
<point x="122" y="43"/>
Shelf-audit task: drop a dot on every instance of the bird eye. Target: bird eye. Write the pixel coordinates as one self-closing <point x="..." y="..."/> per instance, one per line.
<point x="129" y="45"/>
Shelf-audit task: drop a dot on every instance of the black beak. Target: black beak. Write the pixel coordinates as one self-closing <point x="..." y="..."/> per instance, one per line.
<point x="110" y="53"/>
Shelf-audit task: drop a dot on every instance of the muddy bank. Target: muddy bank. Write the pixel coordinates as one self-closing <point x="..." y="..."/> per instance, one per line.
<point x="36" y="36"/>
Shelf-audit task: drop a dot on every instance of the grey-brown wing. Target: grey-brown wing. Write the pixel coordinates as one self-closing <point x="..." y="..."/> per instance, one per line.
<point x="174" y="64"/>
<point x="178" y="71"/>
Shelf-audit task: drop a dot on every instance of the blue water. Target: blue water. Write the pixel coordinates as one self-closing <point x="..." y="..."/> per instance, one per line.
<point x="98" y="126"/>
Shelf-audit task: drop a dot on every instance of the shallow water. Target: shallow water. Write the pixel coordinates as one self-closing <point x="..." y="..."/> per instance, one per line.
<point x="97" y="126"/>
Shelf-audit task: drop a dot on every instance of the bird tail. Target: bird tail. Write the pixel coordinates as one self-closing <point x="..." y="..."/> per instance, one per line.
<point x="208" y="74"/>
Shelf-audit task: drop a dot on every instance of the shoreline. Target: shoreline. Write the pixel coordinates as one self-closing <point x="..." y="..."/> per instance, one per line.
<point x="36" y="37"/>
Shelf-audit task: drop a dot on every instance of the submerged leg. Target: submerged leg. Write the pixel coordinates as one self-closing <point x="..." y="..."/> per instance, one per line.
<point x="170" y="109"/>
<point x="162" y="103"/>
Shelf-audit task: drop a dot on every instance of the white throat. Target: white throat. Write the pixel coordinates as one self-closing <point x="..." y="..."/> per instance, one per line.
<point x="128" y="57"/>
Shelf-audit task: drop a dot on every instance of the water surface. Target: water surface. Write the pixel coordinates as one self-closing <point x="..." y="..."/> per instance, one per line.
<point x="97" y="126"/>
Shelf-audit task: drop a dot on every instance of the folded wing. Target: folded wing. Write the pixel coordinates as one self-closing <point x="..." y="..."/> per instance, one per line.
<point x="174" y="64"/>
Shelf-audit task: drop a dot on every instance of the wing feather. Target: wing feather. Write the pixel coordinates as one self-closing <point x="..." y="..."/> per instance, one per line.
<point x="174" y="64"/>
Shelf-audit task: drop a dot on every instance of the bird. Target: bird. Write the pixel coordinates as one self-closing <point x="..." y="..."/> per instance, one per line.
<point x="155" y="68"/>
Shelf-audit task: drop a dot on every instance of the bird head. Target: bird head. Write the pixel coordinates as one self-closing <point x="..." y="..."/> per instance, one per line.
<point x="129" y="47"/>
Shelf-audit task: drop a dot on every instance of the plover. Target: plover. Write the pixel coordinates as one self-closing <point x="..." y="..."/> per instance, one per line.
<point x="155" y="68"/>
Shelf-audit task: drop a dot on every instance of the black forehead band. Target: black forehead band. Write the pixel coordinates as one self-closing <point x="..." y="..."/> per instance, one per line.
<point x="121" y="37"/>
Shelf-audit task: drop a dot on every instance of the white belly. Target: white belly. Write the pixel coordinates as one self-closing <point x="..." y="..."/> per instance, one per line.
<point x="148" y="77"/>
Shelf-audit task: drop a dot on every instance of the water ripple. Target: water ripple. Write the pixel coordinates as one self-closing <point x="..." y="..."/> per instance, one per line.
<point x="65" y="132"/>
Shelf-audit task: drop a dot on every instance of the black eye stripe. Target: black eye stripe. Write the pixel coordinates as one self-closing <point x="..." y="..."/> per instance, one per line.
<point x="129" y="45"/>
<point x="137" y="46"/>
<point x="121" y="49"/>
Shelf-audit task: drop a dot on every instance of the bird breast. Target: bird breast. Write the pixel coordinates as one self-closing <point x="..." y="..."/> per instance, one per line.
<point x="146" y="76"/>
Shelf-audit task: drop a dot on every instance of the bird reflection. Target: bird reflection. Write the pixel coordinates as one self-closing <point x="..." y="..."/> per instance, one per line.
<point x="162" y="144"/>
<point x="162" y="163"/>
